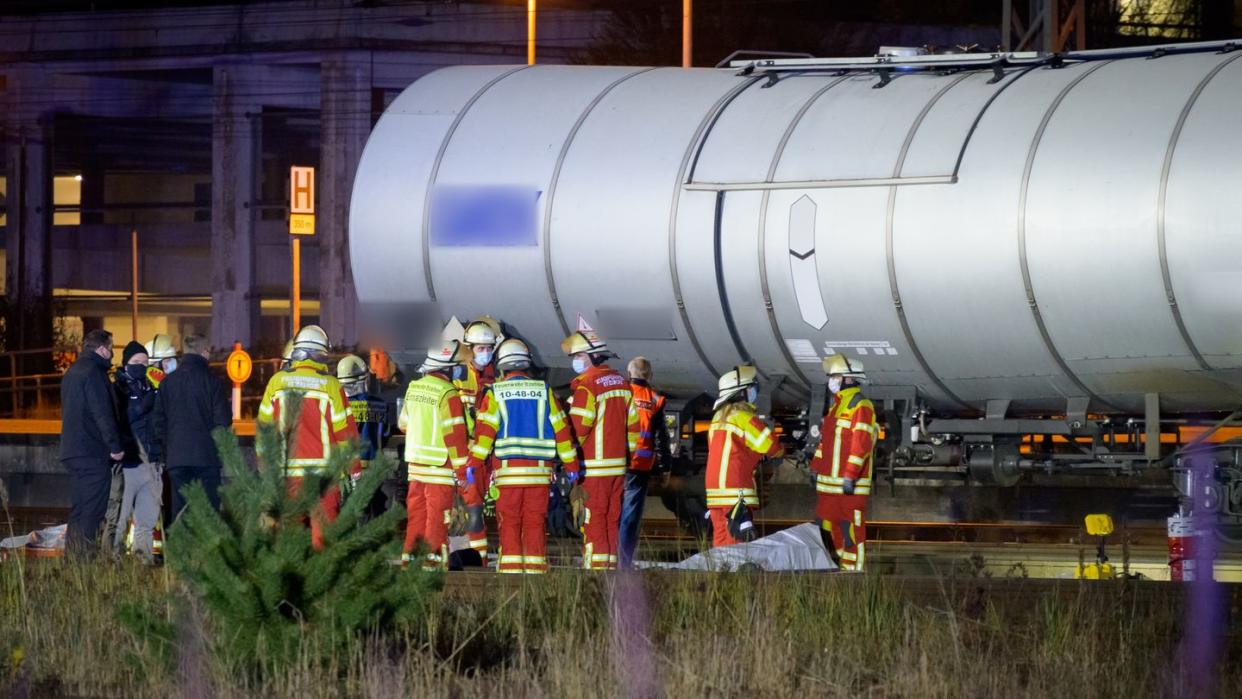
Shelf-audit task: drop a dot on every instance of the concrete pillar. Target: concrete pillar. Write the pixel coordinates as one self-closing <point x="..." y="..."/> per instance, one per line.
<point x="234" y="155"/>
<point x="345" y="123"/>
<point x="28" y="238"/>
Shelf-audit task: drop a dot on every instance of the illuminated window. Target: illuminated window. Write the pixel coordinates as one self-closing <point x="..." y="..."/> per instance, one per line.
<point x="67" y="198"/>
<point x="1167" y="19"/>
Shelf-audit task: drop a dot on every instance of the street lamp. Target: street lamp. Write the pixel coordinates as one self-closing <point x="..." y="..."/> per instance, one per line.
<point x="687" y="38"/>
<point x="530" y="32"/>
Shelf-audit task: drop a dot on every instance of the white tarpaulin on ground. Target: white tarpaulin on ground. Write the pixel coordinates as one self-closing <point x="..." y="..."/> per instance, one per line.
<point x="796" y="548"/>
<point x="50" y="538"/>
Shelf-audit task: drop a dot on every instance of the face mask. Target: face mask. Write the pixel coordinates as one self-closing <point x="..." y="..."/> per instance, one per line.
<point x="752" y="394"/>
<point x="170" y="365"/>
<point x="136" y="371"/>
<point x="482" y="359"/>
<point x="580" y="365"/>
<point x="834" y="384"/>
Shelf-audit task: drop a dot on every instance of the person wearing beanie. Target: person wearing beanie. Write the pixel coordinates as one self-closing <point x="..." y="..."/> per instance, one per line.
<point x="139" y="506"/>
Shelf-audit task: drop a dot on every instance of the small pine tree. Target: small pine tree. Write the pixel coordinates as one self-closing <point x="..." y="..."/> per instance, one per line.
<point x="253" y="565"/>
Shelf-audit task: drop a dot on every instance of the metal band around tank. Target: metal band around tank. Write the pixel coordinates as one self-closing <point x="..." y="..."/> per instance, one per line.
<point x="1165" y="274"/>
<point x="435" y="172"/>
<point x="894" y="288"/>
<point x="556" y="178"/>
<point x="1022" y="260"/>
<point x="696" y="143"/>
<point x="765" y="288"/>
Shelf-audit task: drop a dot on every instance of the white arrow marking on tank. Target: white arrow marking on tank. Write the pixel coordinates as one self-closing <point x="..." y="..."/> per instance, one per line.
<point x="802" y="268"/>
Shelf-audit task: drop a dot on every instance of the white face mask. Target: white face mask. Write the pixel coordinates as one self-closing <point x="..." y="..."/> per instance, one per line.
<point x="834" y="384"/>
<point x="580" y="364"/>
<point x="482" y="359"/>
<point x="752" y="394"/>
<point x="170" y="365"/>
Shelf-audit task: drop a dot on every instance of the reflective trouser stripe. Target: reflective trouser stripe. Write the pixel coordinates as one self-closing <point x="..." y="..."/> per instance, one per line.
<point x="727" y="497"/>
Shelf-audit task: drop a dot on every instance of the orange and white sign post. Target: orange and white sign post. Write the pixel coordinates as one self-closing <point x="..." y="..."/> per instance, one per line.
<point x="301" y="222"/>
<point x="239" y="367"/>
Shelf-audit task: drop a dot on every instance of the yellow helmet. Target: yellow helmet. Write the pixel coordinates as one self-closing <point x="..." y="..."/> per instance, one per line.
<point x="835" y="364"/>
<point x="351" y="369"/>
<point x="583" y="341"/>
<point x="445" y="355"/>
<point x="512" y="352"/>
<point x="734" y="381"/>
<point x="484" y="330"/>
<point x="160" y="347"/>
<point x="312" y="339"/>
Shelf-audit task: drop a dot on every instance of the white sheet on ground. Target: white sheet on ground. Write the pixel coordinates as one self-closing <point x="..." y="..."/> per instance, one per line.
<point x="49" y="538"/>
<point x="796" y="548"/>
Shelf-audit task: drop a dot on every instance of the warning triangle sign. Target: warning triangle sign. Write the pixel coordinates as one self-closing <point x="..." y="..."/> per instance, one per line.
<point x="583" y="326"/>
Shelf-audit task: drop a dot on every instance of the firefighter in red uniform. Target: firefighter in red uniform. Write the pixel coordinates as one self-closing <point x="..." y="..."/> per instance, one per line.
<point x="842" y="464"/>
<point x="605" y="424"/>
<point x="323" y="420"/>
<point x="521" y="423"/>
<point x="481" y="337"/>
<point x="737" y="441"/>
<point x="433" y="418"/>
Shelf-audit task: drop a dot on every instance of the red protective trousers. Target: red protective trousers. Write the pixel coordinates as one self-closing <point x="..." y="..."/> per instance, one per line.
<point x="475" y="496"/>
<point x="845" y="517"/>
<point x="428" y="508"/>
<point x="329" y="507"/>
<point x="603" y="521"/>
<point x="523" y="512"/>
<point x="720" y="527"/>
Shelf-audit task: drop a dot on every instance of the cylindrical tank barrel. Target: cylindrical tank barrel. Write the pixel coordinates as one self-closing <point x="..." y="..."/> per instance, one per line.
<point x="1065" y="231"/>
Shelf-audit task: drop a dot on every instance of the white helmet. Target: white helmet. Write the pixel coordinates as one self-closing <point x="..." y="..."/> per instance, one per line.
<point x="311" y="340"/>
<point x="159" y="348"/>
<point x="351" y="370"/>
<point x="483" y="330"/>
<point x="513" y="354"/>
<point x="446" y="355"/>
<point x="839" y="364"/>
<point x="734" y="381"/>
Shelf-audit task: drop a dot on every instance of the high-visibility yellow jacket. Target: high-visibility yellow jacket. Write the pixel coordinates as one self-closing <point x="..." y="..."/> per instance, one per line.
<point x="323" y="418"/>
<point x="433" y="418"/>
<point x="522" y="424"/>
<point x="845" y="451"/>
<point x="736" y="441"/>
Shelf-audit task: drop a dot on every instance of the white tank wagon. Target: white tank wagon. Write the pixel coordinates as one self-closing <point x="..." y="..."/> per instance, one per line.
<point x="1008" y="235"/>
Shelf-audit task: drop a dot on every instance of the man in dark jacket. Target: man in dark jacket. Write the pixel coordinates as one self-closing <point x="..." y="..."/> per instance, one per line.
<point x="89" y="440"/>
<point x="144" y="487"/>
<point x="191" y="403"/>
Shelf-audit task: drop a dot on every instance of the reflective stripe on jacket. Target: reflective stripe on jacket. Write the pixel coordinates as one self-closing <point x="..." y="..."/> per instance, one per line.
<point x="845" y="450"/>
<point x="434" y="421"/>
<point x="323" y="419"/>
<point x="604" y="419"/>
<point x="522" y="425"/>
<point x="649" y="405"/>
<point x="737" y="440"/>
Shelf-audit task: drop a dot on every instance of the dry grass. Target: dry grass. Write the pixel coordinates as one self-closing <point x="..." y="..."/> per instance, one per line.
<point x="706" y="635"/>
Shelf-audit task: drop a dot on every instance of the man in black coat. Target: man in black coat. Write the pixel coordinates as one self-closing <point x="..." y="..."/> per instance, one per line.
<point x="89" y="440"/>
<point x="191" y="403"/>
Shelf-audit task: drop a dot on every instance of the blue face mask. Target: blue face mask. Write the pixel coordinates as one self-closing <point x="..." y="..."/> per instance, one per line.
<point x="170" y="365"/>
<point x="752" y="394"/>
<point x="581" y="365"/>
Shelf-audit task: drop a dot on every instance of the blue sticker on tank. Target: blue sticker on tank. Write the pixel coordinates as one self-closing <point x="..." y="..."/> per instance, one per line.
<point x="485" y="216"/>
